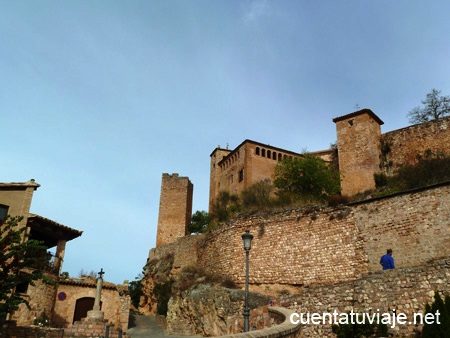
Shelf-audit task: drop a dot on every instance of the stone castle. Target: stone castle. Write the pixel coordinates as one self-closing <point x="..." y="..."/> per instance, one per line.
<point x="362" y="151"/>
<point x="328" y="257"/>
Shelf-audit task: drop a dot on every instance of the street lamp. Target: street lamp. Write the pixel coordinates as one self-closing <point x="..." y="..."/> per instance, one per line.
<point x="247" y="240"/>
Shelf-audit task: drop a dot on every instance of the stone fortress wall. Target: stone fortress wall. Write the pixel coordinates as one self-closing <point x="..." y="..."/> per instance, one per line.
<point x="404" y="146"/>
<point x="332" y="254"/>
<point x="320" y="246"/>
<point x="339" y="248"/>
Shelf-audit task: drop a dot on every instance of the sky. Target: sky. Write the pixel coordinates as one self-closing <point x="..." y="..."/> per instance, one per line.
<point x="99" y="98"/>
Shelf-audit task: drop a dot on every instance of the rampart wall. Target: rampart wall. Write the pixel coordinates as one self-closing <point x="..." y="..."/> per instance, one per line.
<point x="324" y="245"/>
<point x="403" y="146"/>
<point x="301" y="247"/>
<point x="406" y="290"/>
<point x="333" y="253"/>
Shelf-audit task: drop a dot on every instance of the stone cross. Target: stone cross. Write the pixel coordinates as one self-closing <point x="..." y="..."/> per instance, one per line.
<point x="98" y="294"/>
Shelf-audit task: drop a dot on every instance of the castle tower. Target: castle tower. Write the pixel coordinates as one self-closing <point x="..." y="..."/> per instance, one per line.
<point x="358" y="139"/>
<point x="175" y="208"/>
<point x="214" y="171"/>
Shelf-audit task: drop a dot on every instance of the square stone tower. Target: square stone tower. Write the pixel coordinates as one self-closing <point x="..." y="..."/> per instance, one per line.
<point x="175" y="208"/>
<point x="359" y="148"/>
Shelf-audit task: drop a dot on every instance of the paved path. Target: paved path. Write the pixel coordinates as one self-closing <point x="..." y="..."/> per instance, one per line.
<point x="146" y="326"/>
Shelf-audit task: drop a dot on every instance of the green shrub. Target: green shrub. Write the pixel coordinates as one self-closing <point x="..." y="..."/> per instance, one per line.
<point x="163" y="292"/>
<point x="309" y="177"/>
<point x="428" y="171"/>
<point x="336" y="200"/>
<point x="258" y="195"/>
<point x="353" y="330"/>
<point x="435" y="330"/>
<point x="381" y="180"/>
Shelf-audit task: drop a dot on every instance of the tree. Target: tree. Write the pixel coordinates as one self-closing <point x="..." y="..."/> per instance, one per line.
<point x="199" y="222"/>
<point x="441" y="329"/>
<point x="257" y="195"/>
<point x="224" y="205"/>
<point x="22" y="261"/>
<point x="307" y="177"/>
<point x="434" y="107"/>
<point x="135" y="289"/>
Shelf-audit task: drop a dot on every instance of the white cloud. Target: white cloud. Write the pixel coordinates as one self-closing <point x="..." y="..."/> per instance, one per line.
<point x="256" y="10"/>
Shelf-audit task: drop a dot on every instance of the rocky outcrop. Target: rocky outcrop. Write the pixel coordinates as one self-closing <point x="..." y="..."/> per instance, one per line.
<point x="158" y="271"/>
<point x="204" y="309"/>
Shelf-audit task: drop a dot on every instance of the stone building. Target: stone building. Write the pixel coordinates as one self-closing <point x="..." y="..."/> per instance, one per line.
<point x="359" y="146"/>
<point x="67" y="300"/>
<point x="250" y="162"/>
<point x="362" y="151"/>
<point x="15" y="200"/>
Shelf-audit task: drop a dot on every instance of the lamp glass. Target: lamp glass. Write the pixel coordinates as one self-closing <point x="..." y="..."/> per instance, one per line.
<point x="247" y="240"/>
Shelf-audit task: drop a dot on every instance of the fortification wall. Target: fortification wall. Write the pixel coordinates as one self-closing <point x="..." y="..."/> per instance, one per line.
<point x="293" y="247"/>
<point x="415" y="225"/>
<point x="407" y="143"/>
<point x="184" y="252"/>
<point x="328" y="245"/>
<point x="407" y="290"/>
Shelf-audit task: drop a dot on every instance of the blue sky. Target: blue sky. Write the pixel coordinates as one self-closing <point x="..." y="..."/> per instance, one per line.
<point x="99" y="98"/>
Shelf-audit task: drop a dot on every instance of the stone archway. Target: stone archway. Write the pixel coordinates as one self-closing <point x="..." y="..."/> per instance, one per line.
<point x="82" y="306"/>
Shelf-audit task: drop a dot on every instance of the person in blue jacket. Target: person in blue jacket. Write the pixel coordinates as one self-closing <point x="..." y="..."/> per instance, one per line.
<point x="387" y="261"/>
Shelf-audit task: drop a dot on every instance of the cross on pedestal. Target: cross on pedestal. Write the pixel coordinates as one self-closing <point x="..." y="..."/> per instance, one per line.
<point x="95" y="314"/>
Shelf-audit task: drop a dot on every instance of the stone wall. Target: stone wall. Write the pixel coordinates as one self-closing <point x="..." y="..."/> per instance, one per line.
<point x="407" y="290"/>
<point x="305" y="246"/>
<point x="415" y="225"/>
<point x="184" y="252"/>
<point x="41" y="298"/>
<point x="293" y="247"/>
<point x="404" y="145"/>
<point x="283" y="330"/>
<point x="332" y="254"/>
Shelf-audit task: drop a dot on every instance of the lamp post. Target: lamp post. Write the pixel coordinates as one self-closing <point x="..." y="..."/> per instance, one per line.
<point x="247" y="239"/>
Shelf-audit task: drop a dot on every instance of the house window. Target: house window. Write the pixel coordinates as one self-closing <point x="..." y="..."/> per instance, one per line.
<point x="3" y="213"/>
<point x="257" y="151"/>
<point x="263" y="152"/>
<point x="241" y="175"/>
<point x="269" y="154"/>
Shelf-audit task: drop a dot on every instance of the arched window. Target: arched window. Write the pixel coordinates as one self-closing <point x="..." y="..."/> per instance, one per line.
<point x="274" y="156"/>
<point x="257" y="151"/>
<point x="263" y="152"/>
<point x="279" y="157"/>
<point x="269" y="154"/>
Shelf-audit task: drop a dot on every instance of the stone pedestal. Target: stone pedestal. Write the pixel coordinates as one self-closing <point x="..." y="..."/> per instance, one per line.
<point x="95" y="316"/>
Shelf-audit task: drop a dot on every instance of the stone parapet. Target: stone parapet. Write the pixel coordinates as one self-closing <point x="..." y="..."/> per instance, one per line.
<point x="285" y="329"/>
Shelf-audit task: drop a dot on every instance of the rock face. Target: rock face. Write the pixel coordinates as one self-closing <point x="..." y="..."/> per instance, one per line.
<point x="204" y="310"/>
<point x="157" y="272"/>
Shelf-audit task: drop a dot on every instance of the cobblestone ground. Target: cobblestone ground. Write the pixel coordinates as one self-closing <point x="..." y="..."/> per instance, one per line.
<point x="146" y="326"/>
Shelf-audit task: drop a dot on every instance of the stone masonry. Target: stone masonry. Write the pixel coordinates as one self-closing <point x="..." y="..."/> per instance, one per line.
<point x="333" y="253"/>
<point x="358" y="139"/>
<point x="175" y="208"/>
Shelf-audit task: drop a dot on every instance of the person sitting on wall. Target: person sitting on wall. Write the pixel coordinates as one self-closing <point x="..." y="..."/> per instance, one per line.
<point x="387" y="261"/>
